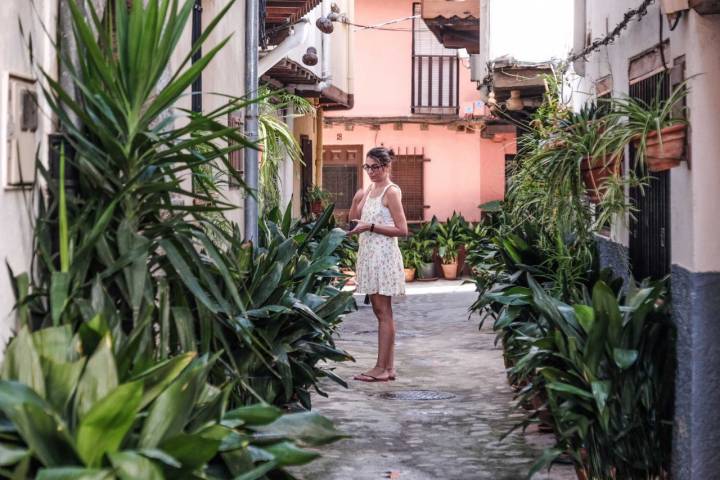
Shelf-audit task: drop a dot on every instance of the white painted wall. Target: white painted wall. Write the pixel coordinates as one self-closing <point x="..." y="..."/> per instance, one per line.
<point x="15" y="205"/>
<point x="694" y="191"/>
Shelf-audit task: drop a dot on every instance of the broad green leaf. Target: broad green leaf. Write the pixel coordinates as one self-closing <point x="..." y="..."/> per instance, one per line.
<point x="625" y="358"/>
<point x="571" y="389"/>
<point x="53" y="343"/>
<point x="59" y="289"/>
<point x="158" y="377"/>
<point x="287" y="454"/>
<point x="606" y="308"/>
<point x="601" y="391"/>
<point x="11" y="454"/>
<point x="61" y="380"/>
<point x="74" y="473"/>
<point x="99" y="378"/>
<point x="104" y="427"/>
<point x="133" y="466"/>
<point x="191" y="450"/>
<point x="40" y="427"/>
<point x="170" y="412"/>
<point x="307" y="427"/>
<point x="258" y="472"/>
<point x="585" y="316"/>
<point x="252" y="415"/>
<point x="22" y="362"/>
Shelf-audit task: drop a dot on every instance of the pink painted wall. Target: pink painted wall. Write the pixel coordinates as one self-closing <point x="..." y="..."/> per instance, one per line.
<point x="465" y="170"/>
<point x="383" y="62"/>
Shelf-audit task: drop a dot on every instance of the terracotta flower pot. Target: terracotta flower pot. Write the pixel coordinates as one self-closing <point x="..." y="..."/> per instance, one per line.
<point x="316" y="207"/>
<point x="668" y="154"/>
<point x="595" y="172"/>
<point x="450" y="270"/>
<point x="409" y="275"/>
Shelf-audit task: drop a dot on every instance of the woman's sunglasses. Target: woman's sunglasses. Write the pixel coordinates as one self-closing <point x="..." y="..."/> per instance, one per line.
<point x="374" y="168"/>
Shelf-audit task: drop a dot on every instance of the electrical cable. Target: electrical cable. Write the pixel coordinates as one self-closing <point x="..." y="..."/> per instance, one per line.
<point x="639" y="12"/>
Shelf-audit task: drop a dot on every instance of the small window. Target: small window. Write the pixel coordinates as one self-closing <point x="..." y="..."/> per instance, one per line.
<point x="435" y="77"/>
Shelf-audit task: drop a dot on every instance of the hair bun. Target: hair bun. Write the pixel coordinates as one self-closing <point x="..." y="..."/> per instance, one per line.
<point x="391" y="152"/>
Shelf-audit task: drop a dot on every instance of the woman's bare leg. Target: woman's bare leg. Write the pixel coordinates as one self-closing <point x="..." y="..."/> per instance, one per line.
<point x="382" y="307"/>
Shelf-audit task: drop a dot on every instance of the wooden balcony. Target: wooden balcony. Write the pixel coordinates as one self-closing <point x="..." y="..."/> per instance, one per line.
<point x="287" y="11"/>
<point x="455" y="23"/>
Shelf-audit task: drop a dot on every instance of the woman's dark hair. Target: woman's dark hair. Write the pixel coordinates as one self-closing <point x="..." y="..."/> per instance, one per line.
<point x="382" y="155"/>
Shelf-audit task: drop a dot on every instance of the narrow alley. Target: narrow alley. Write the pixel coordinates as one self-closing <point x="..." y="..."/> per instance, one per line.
<point x="457" y="435"/>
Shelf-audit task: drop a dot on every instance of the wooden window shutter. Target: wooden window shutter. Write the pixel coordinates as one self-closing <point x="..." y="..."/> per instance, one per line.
<point x="408" y="174"/>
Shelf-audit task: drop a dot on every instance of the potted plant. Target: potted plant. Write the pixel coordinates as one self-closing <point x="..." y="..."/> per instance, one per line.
<point x="318" y="199"/>
<point x="447" y="243"/>
<point x="424" y="243"/>
<point x="657" y="129"/>
<point x="412" y="258"/>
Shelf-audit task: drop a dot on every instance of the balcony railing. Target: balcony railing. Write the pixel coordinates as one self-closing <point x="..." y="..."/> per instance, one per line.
<point x="435" y="84"/>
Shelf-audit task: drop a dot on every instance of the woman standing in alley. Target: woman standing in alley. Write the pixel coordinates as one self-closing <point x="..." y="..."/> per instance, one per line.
<point x="379" y="265"/>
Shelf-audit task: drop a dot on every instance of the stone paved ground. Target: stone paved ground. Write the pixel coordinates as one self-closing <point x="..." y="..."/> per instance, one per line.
<point x="438" y="349"/>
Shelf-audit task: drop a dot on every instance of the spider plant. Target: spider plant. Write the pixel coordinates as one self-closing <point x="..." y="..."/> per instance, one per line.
<point x="642" y="120"/>
<point x="277" y="140"/>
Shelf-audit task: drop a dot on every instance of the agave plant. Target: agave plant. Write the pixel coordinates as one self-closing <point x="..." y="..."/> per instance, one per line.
<point x="72" y="409"/>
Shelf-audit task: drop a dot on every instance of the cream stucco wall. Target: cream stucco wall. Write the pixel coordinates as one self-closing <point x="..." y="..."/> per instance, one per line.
<point x="16" y="207"/>
<point x="694" y="194"/>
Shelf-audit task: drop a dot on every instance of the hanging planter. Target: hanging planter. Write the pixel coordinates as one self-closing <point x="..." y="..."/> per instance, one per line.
<point x="666" y="150"/>
<point x="595" y="172"/>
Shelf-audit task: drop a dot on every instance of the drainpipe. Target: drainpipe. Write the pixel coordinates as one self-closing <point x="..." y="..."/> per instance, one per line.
<point x="326" y="51"/>
<point x="297" y="38"/>
<point x="252" y="40"/>
<point x="580" y="33"/>
<point x="351" y="52"/>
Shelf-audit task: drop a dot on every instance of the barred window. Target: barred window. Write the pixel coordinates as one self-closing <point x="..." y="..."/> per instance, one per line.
<point x="435" y="77"/>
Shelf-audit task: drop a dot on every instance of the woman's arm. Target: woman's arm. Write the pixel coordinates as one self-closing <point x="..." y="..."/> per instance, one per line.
<point x="394" y="204"/>
<point x="356" y="207"/>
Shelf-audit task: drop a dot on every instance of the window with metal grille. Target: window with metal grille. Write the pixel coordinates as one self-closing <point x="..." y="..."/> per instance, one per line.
<point x="342" y="174"/>
<point x="435" y="78"/>
<point x="650" y="229"/>
<point x="407" y="173"/>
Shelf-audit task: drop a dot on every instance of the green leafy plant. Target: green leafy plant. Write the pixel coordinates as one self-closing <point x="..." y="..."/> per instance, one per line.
<point x="277" y="141"/>
<point x="73" y="410"/>
<point x="448" y="237"/>
<point x="292" y="309"/>
<point x="317" y="194"/>
<point x="412" y="252"/>
<point x="606" y="371"/>
<point x="639" y="119"/>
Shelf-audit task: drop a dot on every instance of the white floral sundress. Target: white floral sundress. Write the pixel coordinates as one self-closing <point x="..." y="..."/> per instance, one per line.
<point x="379" y="264"/>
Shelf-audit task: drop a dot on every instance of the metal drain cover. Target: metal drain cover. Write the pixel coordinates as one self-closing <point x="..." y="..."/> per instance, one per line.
<point x="416" y="395"/>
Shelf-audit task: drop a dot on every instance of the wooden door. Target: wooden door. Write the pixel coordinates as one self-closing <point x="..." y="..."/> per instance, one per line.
<point x="342" y="175"/>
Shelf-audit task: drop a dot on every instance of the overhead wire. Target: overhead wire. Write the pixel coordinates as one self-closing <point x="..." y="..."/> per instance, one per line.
<point x="638" y="12"/>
